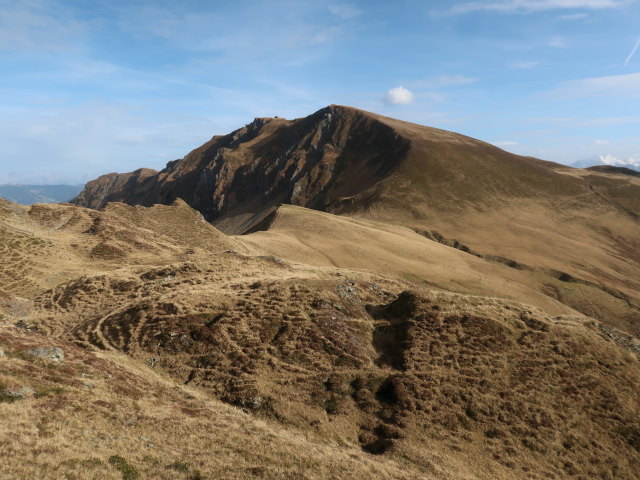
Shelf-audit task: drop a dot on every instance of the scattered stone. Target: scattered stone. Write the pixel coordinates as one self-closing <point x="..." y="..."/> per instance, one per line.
<point x="152" y="361"/>
<point x="130" y="421"/>
<point x="628" y="341"/>
<point x="50" y="353"/>
<point x="24" y="325"/>
<point x="22" y="392"/>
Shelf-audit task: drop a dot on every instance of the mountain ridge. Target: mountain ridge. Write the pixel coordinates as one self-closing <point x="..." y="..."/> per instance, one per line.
<point x="339" y="159"/>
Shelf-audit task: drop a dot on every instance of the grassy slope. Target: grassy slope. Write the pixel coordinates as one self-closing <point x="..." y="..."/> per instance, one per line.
<point x="98" y="406"/>
<point x="322" y="239"/>
<point x="314" y="334"/>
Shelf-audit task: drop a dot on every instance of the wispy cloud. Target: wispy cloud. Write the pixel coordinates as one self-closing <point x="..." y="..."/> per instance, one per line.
<point x="505" y="143"/>
<point x="558" y="42"/>
<point x="525" y="6"/>
<point x="345" y="11"/>
<point x="95" y="138"/>
<point x="227" y="34"/>
<point x="574" y="16"/>
<point x="524" y="65"/>
<point x="38" y="25"/>
<point x="617" y="85"/>
<point x="587" y="122"/>
<point x="443" y="81"/>
<point x="633" y="52"/>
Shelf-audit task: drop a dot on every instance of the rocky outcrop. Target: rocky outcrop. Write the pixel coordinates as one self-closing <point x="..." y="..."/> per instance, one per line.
<point x="339" y="159"/>
<point x="48" y="353"/>
<point x="136" y="187"/>
<point x="346" y="161"/>
<point x="320" y="161"/>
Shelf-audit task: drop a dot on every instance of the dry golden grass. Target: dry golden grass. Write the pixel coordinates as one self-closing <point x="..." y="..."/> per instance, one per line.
<point x="96" y="407"/>
<point x="336" y="344"/>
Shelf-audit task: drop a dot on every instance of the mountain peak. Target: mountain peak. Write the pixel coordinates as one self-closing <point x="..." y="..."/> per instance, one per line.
<point x="339" y="159"/>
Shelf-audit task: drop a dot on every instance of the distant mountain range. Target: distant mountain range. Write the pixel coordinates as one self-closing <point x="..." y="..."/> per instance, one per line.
<point x="30" y="194"/>
<point x="632" y="162"/>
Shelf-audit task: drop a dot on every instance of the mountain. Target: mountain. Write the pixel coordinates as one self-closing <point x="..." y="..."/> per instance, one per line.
<point x="631" y="163"/>
<point x="338" y="296"/>
<point x="30" y="194"/>
<point x="615" y="170"/>
<point x="340" y="160"/>
<point x="548" y="219"/>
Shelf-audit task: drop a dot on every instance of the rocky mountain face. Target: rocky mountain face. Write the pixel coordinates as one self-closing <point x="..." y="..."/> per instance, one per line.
<point x="320" y="162"/>
<point x="340" y="160"/>
<point x="538" y="216"/>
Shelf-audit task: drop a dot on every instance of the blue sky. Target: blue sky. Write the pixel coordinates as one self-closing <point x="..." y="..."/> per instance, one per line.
<point x="91" y="87"/>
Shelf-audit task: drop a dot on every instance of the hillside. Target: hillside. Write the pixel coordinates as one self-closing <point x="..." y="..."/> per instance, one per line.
<point x="562" y="225"/>
<point x="318" y="346"/>
<point x="103" y="415"/>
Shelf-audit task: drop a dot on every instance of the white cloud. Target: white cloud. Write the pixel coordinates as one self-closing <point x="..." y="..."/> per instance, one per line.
<point x="523" y="65"/>
<point x="37" y="25"/>
<point x="519" y="6"/>
<point x="505" y="143"/>
<point x="616" y="85"/>
<point x="345" y="11"/>
<point x="600" y="141"/>
<point x="398" y="96"/>
<point x="245" y="32"/>
<point x="558" y="42"/>
<point x="632" y="161"/>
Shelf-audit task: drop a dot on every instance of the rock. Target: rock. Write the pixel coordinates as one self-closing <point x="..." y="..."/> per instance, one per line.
<point x="2" y="354"/>
<point x="23" y="324"/>
<point x="152" y="361"/>
<point x="255" y="401"/>
<point x="50" y="353"/>
<point x="21" y="392"/>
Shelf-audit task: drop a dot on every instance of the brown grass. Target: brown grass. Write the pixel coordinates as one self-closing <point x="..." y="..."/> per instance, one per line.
<point x="303" y="352"/>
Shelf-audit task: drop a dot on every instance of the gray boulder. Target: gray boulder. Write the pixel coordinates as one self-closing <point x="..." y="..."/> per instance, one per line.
<point x="50" y="353"/>
<point x="22" y="392"/>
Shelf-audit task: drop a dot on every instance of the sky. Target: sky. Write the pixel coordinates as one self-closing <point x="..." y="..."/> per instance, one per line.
<point x="92" y="87"/>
